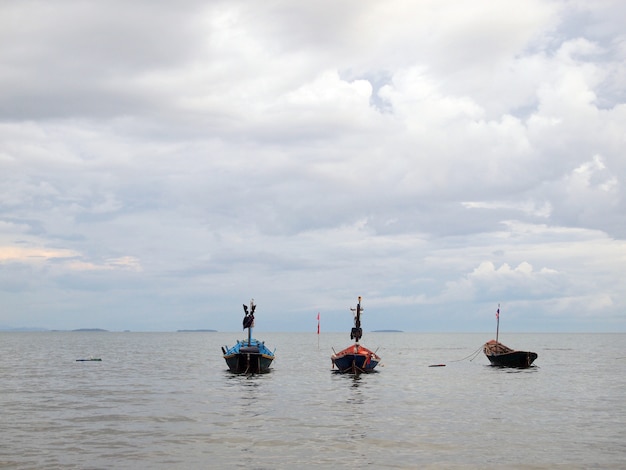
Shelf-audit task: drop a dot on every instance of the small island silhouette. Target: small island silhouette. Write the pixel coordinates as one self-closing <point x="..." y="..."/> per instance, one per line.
<point x="90" y="329"/>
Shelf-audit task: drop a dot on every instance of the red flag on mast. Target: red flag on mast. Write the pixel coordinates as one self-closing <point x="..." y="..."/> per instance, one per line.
<point x="498" y="313"/>
<point x="318" y="323"/>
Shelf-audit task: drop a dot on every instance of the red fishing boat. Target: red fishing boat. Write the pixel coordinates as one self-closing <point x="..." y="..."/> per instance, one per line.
<point x="355" y="358"/>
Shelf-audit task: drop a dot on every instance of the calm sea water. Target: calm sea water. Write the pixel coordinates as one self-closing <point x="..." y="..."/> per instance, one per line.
<point x="165" y="400"/>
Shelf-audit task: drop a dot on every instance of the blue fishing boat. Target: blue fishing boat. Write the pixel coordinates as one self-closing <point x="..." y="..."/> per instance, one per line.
<point x="248" y="356"/>
<point x="355" y="358"/>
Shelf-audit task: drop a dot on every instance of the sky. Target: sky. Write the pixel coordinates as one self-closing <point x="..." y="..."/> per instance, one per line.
<point x="162" y="163"/>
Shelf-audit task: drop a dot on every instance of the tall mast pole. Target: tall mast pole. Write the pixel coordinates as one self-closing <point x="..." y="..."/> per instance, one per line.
<point x="498" y="323"/>
<point x="250" y="327"/>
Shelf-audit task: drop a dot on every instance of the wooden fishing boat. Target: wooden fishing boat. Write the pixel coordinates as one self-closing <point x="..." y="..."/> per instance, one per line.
<point x="355" y="358"/>
<point x="502" y="356"/>
<point x="248" y="356"/>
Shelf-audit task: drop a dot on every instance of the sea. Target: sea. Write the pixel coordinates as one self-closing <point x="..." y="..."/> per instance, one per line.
<point x="167" y="401"/>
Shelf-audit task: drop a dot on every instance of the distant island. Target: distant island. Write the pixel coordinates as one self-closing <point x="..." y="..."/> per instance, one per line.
<point x="196" y="331"/>
<point x="387" y="331"/>
<point x="90" y="329"/>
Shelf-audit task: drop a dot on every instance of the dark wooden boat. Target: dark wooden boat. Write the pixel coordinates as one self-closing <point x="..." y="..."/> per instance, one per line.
<point x="502" y="356"/>
<point x="248" y="356"/>
<point x="355" y="358"/>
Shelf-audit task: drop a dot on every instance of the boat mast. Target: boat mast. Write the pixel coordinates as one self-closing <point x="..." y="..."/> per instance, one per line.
<point x="252" y="307"/>
<point x="498" y="323"/>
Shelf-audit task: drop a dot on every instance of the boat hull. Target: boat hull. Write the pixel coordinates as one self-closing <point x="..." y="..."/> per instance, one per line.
<point x="248" y="357"/>
<point x="500" y="355"/>
<point x="355" y="359"/>
<point x="248" y="363"/>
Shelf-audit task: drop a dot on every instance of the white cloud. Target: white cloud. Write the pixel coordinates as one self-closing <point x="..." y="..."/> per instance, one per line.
<point x="183" y="157"/>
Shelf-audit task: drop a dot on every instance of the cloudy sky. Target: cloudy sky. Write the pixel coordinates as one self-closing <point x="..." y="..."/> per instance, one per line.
<point x="163" y="162"/>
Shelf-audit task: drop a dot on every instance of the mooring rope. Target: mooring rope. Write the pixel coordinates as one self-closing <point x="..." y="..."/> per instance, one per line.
<point x="473" y="355"/>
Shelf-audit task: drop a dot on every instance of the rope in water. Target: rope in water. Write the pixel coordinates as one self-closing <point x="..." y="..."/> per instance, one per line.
<point x="473" y="355"/>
